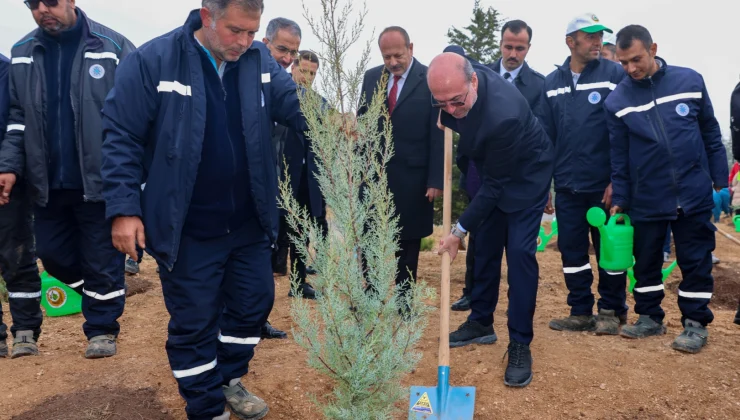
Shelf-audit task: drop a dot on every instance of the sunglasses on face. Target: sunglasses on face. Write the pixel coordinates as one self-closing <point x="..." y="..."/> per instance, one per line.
<point x="34" y="4"/>
<point x="458" y="103"/>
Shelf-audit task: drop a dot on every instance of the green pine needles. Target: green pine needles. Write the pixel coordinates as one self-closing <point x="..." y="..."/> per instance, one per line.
<point x="356" y="337"/>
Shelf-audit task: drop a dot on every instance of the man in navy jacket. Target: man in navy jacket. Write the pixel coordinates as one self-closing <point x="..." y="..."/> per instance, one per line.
<point x="501" y="135"/>
<point x="17" y="259"/>
<point x="571" y="111"/>
<point x="191" y="115"/>
<point x="666" y="155"/>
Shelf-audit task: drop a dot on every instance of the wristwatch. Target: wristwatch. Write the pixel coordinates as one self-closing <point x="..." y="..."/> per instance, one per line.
<point x="457" y="232"/>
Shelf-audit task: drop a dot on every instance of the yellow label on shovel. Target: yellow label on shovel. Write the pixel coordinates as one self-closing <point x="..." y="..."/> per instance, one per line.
<point x="423" y="405"/>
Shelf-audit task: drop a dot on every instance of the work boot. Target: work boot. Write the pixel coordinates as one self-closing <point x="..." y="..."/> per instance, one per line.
<point x="666" y="257"/>
<point x="715" y="260"/>
<point x="225" y="416"/>
<point x="737" y="315"/>
<point x="305" y="290"/>
<point x="462" y="304"/>
<point x="268" y="331"/>
<point x="244" y="405"/>
<point x="519" y="370"/>
<point x="310" y="271"/>
<point x="3" y="348"/>
<point x="692" y="339"/>
<point x="644" y="327"/>
<point x="471" y="332"/>
<point x="574" y="323"/>
<point x="607" y="323"/>
<point x="24" y="345"/>
<point x="132" y="267"/>
<point x="101" y="346"/>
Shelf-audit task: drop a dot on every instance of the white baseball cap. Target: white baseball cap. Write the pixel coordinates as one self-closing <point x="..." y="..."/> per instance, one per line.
<point x="587" y="22"/>
<point x="609" y="38"/>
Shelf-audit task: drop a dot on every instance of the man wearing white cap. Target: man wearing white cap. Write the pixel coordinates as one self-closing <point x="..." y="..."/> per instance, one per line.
<point x="571" y="111"/>
<point x="609" y="47"/>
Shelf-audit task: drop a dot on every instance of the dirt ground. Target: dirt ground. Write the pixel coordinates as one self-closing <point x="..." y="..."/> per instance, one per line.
<point x="575" y="375"/>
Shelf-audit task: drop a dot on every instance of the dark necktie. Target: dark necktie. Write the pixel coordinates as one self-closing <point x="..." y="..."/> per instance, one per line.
<point x="507" y="75"/>
<point x="392" y="96"/>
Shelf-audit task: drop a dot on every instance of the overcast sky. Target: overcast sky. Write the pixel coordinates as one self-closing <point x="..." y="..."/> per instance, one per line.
<point x="701" y="35"/>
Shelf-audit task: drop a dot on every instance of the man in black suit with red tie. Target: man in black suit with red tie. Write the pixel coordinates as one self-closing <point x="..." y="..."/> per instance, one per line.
<point x="416" y="170"/>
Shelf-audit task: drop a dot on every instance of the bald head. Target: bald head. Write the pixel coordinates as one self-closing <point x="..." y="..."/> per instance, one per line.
<point x="453" y="83"/>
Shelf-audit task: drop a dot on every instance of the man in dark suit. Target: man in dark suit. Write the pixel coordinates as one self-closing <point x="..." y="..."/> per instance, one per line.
<point x="516" y="38"/>
<point x="416" y="170"/>
<point x="514" y="157"/>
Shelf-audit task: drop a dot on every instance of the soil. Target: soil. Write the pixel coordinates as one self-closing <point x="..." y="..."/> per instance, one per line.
<point x="575" y="375"/>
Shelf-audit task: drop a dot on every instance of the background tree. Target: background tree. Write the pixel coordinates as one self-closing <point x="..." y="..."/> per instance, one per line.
<point x="480" y="38"/>
<point x="359" y="339"/>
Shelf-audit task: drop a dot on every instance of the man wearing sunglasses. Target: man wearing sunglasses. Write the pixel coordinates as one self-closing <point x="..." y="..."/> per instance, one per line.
<point x="514" y="157"/>
<point x="415" y="173"/>
<point x="59" y="77"/>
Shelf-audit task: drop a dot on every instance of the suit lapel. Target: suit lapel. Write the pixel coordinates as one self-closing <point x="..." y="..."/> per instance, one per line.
<point x="416" y="74"/>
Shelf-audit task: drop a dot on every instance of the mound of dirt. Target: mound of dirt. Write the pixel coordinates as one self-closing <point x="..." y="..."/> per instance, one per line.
<point x="136" y="285"/>
<point x="100" y="403"/>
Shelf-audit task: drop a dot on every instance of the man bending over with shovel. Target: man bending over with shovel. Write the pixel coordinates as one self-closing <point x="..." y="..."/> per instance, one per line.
<point x="515" y="159"/>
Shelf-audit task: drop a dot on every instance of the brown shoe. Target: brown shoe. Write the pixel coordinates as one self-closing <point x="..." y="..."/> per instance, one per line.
<point x="607" y="323"/>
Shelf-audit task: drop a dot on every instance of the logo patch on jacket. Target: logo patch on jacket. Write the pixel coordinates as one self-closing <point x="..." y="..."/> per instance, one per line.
<point x="97" y="71"/>
<point x="594" y="97"/>
<point x="682" y="109"/>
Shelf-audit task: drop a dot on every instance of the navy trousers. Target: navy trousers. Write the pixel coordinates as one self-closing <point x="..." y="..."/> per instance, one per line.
<point x="73" y="241"/>
<point x="18" y="265"/>
<point x="694" y="239"/>
<point x="218" y="294"/>
<point x="573" y="242"/>
<point x="517" y="233"/>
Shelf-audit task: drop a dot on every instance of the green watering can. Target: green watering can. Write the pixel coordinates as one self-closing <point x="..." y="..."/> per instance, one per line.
<point x="666" y="272"/>
<point x="58" y="299"/>
<point x="736" y="221"/>
<point x="616" y="240"/>
<point x="544" y="238"/>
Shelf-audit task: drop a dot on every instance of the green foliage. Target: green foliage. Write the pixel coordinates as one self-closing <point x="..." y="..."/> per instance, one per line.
<point x="480" y="38"/>
<point x="356" y="338"/>
<point x="427" y="244"/>
<point x="3" y="291"/>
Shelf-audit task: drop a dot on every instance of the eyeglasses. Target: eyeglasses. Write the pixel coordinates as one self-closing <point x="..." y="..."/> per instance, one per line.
<point x="437" y="104"/>
<point x="34" y="4"/>
<point x="285" y="51"/>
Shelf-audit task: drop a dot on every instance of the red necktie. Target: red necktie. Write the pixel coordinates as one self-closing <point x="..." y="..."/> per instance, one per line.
<point x="393" y="94"/>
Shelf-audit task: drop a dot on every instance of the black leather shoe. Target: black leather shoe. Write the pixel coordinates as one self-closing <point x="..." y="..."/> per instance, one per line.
<point x="268" y="331"/>
<point x="310" y="271"/>
<point x="307" y="291"/>
<point x="462" y="304"/>
<point x="737" y="315"/>
<point x="519" y="371"/>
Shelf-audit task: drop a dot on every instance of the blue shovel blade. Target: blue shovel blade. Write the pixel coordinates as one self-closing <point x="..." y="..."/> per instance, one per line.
<point x="426" y="403"/>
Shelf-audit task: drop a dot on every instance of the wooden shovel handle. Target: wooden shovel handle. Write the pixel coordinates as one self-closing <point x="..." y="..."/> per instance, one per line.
<point x="444" y="299"/>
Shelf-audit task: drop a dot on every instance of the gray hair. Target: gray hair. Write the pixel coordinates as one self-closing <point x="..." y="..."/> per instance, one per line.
<point x="280" y="24"/>
<point x="218" y="7"/>
<point x="468" y="70"/>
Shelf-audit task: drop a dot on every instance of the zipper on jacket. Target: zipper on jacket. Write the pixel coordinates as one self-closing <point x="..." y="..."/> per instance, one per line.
<point x="668" y="146"/>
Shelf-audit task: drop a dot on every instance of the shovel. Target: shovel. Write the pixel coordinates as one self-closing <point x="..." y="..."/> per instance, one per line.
<point x="443" y="402"/>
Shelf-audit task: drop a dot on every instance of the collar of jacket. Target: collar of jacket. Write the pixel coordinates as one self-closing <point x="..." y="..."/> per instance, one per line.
<point x="646" y="82"/>
<point x="524" y="73"/>
<point x="90" y="37"/>
<point x="589" y="67"/>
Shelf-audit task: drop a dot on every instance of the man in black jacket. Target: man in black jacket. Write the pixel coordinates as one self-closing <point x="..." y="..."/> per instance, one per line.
<point x="415" y="171"/>
<point x="59" y="77"/>
<point x="514" y="157"/>
<point x="17" y="259"/>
